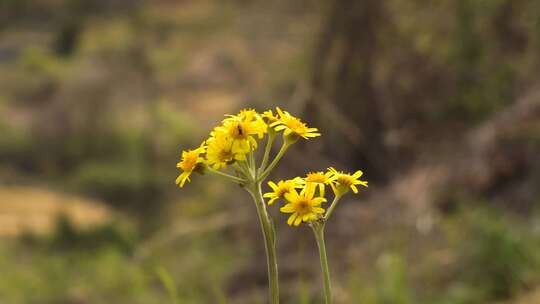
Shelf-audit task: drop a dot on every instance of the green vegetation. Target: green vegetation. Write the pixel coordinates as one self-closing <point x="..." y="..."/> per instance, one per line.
<point x="100" y="265"/>
<point x="494" y="258"/>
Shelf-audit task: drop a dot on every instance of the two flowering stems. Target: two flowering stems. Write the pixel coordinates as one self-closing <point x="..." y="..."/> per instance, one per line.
<point x="231" y="152"/>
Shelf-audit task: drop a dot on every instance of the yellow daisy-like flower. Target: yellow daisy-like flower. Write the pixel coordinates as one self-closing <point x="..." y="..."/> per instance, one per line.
<point x="241" y="128"/>
<point x="305" y="207"/>
<point x="270" y="117"/>
<point x="292" y="125"/>
<point x="219" y="152"/>
<point x="248" y="114"/>
<point x="341" y="181"/>
<point x="321" y="179"/>
<point x="252" y="122"/>
<point x="190" y="161"/>
<point x="280" y="189"/>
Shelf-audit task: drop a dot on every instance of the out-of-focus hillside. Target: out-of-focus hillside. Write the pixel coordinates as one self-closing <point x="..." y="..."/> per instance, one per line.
<point x="437" y="102"/>
<point x="34" y="210"/>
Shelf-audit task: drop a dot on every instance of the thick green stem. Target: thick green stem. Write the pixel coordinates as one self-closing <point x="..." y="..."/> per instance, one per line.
<point x="318" y="230"/>
<point x="269" y="234"/>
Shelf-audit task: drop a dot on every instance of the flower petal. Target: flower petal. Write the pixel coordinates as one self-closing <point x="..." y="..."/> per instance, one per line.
<point x="288" y="208"/>
<point x="292" y="195"/>
<point x="291" y="219"/>
<point x="270" y="202"/>
<point x="272" y="185"/>
<point x="357" y="174"/>
<point x="318" y="210"/>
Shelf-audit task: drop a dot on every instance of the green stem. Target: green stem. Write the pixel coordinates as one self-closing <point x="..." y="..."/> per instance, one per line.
<point x="240" y="170"/>
<point x="251" y="159"/>
<point x="244" y="166"/>
<point x="228" y="176"/>
<point x="267" y="171"/>
<point x="269" y="234"/>
<point x="318" y="230"/>
<point x="330" y="210"/>
<point x="267" y="149"/>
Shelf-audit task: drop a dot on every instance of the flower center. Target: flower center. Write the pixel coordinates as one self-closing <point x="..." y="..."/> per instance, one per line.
<point x="189" y="162"/>
<point x="316" y="178"/>
<point x="295" y="124"/>
<point x="238" y="130"/>
<point x="345" y="180"/>
<point x="302" y="206"/>
<point x="281" y="191"/>
<point x="225" y="155"/>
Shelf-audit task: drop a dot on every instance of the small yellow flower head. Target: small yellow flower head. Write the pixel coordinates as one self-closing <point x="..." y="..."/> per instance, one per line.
<point x="190" y="161"/>
<point x="305" y="207"/>
<point x="270" y="117"/>
<point x="241" y="128"/>
<point x="279" y="190"/>
<point x="292" y="126"/>
<point x="320" y="179"/>
<point x="247" y="114"/>
<point x="220" y="151"/>
<point x="341" y="182"/>
<point x="248" y="122"/>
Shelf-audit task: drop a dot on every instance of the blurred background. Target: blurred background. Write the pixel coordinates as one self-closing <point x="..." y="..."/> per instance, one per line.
<point x="437" y="101"/>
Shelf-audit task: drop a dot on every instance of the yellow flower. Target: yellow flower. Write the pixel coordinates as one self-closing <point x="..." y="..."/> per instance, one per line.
<point x="292" y="125"/>
<point x="270" y="117"/>
<point x="304" y="206"/>
<point x="341" y="181"/>
<point x="190" y="161"/>
<point x="279" y="190"/>
<point x="219" y="152"/>
<point x="251" y="121"/>
<point x="241" y="128"/>
<point x="320" y="179"/>
<point x="246" y="113"/>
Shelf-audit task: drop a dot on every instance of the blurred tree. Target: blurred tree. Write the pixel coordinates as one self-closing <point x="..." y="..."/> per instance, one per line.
<point x="343" y="98"/>
<point x="389" y="78"/>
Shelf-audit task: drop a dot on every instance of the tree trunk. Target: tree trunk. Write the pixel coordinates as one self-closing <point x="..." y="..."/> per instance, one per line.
<point x="344" y="102"/>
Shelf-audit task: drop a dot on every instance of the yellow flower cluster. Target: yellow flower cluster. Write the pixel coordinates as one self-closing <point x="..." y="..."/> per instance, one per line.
<point x="230" y="151"/>
<point x="305" y="206"/>
<point x="236" y="137"/>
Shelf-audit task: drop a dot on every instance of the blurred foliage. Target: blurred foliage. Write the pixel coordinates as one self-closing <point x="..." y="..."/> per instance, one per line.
<point x="114" y="182"/>
<point x="498" y="256"/>
<point x="389" y="286"/>
<point x="68" y="237"/>
<point x="98" y="266"/>
<point x="493" y="258"/>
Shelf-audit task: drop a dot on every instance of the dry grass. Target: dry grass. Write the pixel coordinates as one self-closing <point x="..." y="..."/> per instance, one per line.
<point x="27" y="209"/>
<point x="532" y="297"/>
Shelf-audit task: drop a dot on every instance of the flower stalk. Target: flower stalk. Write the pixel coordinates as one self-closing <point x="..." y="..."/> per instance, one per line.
<point x="225" y="175"/>
<point x="318" y="228"/>
<point x="332" y="207"/>
<point x="274" y="162"/>
<point x="267" y="149"/>
<point x="269" y="234"/>
<point x="318" y="231"/>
